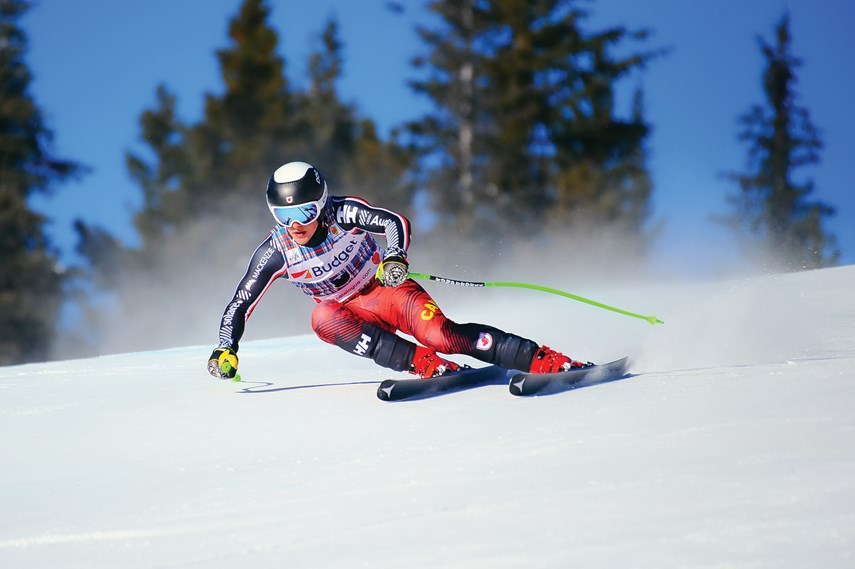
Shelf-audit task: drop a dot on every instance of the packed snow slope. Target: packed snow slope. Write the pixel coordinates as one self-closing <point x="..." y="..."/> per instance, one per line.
<point x="732" y="444"/>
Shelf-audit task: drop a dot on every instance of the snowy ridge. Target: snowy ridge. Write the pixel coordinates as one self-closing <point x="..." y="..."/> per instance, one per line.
<point x="731" y="445"/>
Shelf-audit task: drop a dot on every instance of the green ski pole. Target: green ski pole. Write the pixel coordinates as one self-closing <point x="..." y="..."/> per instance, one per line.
<point x="477" y="284"/>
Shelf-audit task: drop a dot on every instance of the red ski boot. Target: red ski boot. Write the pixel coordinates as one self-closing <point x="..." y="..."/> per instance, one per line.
<point x="547" y="360"/>
<point x="427" y="364"/>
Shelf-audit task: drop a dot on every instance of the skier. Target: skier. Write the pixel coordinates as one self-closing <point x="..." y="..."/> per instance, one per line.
<point x="325" y="245"/>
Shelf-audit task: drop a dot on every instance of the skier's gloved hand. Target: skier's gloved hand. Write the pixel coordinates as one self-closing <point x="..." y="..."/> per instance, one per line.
<point x="394" y="269"/>
<point x="223" y="363"/>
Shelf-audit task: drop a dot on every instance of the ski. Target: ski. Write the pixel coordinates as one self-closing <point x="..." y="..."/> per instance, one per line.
<point x="405" y="389"/>
<point x="525" y="384"/>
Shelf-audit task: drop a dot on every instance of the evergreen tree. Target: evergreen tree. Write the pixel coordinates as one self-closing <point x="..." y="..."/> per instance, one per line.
<point x="31" y="281"/>
<point x="219" y="167"/>
<point x="601" y="157"/>
<point x="250" y="126"/>
<point x="771" y="205"/>
<point x="451" y="135"/>
<point x="529" y="41"/>
<point x="164" y="206"/>
<point x="203" y="189"/>
<point x="347" y="148"/>
<point x="526" y="125"/>
<point x="326" y="125"/>
<point x="215" y="168"/>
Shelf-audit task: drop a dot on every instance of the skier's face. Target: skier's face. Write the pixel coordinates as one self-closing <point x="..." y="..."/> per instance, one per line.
<point x="302" y="233"/>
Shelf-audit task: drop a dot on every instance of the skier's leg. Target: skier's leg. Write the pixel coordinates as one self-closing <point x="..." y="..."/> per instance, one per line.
<point x="369" y="333"/>
<point x="410" y="309"/>
<point x="337" y="324"/>
<point x="414" y="312"/>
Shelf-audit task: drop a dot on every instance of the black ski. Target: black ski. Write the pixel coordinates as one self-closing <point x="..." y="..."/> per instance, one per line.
<point x="401" y="389"/>
<point x="524" y="384"/>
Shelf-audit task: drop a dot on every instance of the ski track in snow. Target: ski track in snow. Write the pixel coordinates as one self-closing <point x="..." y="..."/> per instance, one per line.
<point x="729" y="445"/>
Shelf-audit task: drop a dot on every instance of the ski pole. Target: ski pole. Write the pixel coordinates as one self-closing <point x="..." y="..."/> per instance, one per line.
<point x="651" y="319"/>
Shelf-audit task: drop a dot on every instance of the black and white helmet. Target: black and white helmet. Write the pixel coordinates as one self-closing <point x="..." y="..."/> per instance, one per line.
<point x="296" y="193"/>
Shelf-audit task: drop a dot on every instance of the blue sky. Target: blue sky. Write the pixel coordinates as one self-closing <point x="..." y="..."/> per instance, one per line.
<point x="97" y="63"/>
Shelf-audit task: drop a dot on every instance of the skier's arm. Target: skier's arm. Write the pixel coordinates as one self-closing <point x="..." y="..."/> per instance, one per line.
<point x="356" y="213"/>
<point x="266" y="265"/>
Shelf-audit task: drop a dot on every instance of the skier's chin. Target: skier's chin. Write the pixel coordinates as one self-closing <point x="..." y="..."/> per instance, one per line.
<point x="302" y="233"/>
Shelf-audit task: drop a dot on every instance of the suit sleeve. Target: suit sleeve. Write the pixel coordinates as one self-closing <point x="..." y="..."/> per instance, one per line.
<point x="356" y="213"/>
<point x="266" y="265"/>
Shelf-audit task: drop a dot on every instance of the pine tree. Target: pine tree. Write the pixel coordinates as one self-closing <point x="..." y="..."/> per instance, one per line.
<point x="164" y="206"/>
<point x="202" y="186"/>
<point x="249" y="126"/>
<point x="601" y="157"/>
<point x="345" y="147"/>
<point x="452" y="134"/>
<point x="325" y="123"/>
<point x="216" y="169"/>
<point x="771" y="205"/>
<point x="31" y="280"/>
<point x="526" y="126"/>
<point x="220" y="166"/>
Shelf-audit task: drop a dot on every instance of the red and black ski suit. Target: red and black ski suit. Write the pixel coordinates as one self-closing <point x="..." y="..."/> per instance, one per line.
<point x="354" y="311"/>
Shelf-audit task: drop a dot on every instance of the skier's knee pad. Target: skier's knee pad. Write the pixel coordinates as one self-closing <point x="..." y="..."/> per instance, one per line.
<point x="369" y="341"/>
<point x="494" y="346"/>
<point x="513" y="352"/>
<point x="392" y="351"/>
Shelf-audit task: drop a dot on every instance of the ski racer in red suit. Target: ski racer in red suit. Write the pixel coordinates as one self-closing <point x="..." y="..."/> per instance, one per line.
<point x="325" y="246"/>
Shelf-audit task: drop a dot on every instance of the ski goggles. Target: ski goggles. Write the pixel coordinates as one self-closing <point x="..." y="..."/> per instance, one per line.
<point x="303" y="214"/>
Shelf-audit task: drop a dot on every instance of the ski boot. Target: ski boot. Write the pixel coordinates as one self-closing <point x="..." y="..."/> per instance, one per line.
<point x="547" y="360"/>
<point x="426" y="364"/>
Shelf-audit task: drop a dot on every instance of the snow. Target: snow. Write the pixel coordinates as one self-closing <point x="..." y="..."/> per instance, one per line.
<point x="731" y="445"/>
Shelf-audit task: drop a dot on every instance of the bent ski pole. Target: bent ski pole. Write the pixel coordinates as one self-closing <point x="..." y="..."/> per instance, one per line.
<point x="650" y="319"/>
